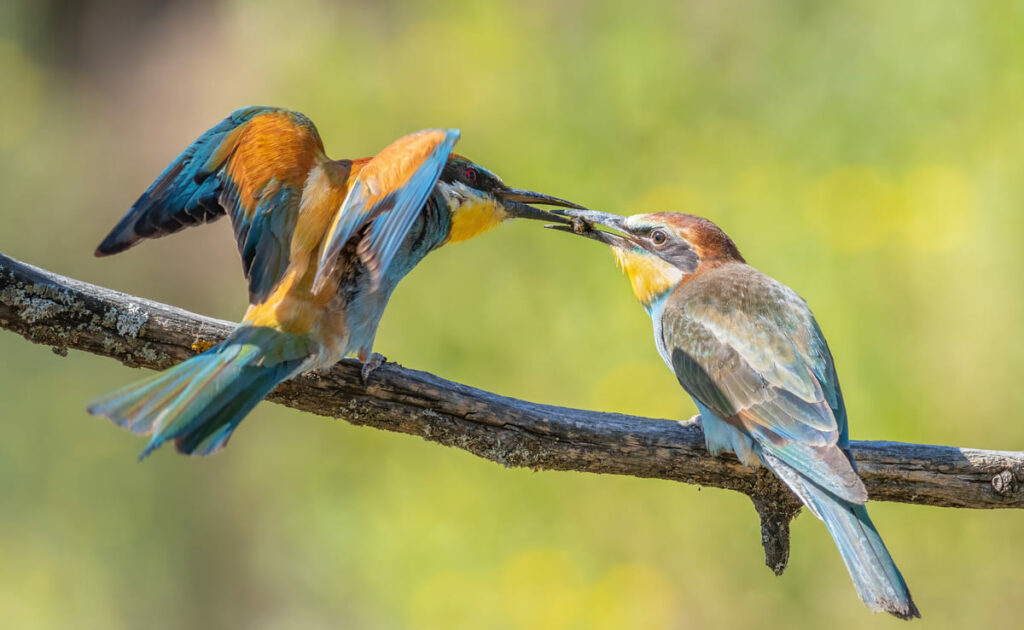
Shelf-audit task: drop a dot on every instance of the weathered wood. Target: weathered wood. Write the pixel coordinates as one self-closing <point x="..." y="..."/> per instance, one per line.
<point x="65" y="313"/>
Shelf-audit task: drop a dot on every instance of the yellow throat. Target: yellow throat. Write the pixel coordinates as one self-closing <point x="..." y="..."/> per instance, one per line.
<point x="473" y="213"/>
<point x="649" y="275"/>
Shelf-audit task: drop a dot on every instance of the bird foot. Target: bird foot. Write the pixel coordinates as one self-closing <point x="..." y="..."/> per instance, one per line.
<point x="321" y="372"/>
<point x="696" y="420"/>
<point x="370" y="366"/>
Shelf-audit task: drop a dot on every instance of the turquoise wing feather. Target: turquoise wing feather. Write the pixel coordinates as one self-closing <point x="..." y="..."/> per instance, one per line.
<point x="765" y="368"/>
<point x="252" y="166"/>
<point x="388" y="195"/>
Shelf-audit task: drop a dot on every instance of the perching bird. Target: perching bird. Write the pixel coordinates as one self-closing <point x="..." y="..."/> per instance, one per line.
<point x="323" y="244"/>
<point x="749" y="352"/>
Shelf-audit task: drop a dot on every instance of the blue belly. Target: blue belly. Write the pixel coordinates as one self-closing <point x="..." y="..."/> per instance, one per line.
<point x="720" y="436"/>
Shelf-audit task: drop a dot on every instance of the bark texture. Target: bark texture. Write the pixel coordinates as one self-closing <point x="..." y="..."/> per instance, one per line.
<point x="64" y="313"/>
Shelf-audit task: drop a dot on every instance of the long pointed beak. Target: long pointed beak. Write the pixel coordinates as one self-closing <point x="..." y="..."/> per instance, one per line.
<point x="516" y="205"/>
<point x="528" y="196"/>
<point x="583" y="221"/>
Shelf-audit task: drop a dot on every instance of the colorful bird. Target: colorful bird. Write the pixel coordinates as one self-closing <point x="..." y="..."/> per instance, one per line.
<point x="749" y="352"/>
<point x="323" y="243"/>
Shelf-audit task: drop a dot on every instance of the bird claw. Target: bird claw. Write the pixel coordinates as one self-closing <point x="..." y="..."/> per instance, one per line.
<point x="370" y="366"/>
<point x="321" y="372"/>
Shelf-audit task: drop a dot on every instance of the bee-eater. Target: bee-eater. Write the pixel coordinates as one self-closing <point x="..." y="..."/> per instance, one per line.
<point x="323" y="244"/>
<point x="749" y="352"/>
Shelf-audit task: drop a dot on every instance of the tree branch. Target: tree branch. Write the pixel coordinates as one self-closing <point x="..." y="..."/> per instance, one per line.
<point x="65" y="313"/>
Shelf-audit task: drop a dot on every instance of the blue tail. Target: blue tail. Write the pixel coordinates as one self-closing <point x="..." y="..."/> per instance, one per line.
<point x="199" y="403"/>
<point x="875" y="576"/>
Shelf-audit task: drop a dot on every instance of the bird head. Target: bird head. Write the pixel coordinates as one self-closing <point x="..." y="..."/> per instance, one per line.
<point x="479" y="200"/>
<point x="658" y="251"/>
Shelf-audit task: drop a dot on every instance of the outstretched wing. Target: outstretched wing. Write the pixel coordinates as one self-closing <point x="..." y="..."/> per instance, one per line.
<point x="251" y="166"/>
<point x="764" y="367"/>
<point x="388" y="194"/>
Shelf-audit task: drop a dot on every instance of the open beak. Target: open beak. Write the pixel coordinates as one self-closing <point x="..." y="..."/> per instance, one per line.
<point x="581" y="223"/>
<point x="516" y="203"/>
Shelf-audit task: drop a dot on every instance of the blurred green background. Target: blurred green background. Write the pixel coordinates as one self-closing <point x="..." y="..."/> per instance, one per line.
<point x="868" y="154"/>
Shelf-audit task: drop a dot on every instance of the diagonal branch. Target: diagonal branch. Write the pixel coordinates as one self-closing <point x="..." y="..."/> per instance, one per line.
<point x="65" y="313"/>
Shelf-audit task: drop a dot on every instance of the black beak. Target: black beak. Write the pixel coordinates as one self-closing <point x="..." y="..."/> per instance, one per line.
<point x="527" y="196"/>
<point x="515" y="202"/>
<point x="582" y="224"/>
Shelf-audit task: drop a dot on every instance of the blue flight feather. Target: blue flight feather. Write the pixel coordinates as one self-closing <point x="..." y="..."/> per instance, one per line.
<point x="196" y="188"/>
<point x="391" y="217"/>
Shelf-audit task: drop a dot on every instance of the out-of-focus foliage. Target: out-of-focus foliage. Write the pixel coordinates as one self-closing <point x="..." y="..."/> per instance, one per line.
<point x="869" y="154"/>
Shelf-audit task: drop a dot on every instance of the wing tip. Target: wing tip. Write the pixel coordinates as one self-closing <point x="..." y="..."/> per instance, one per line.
<point x="449" y="135"/>
<point x="109" y="247"/>
<point x="122" y="237"/>
<point x="905" y="612"/>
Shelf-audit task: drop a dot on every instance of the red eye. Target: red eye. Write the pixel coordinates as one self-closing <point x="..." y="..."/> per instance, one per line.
<point x="471" y="174"/>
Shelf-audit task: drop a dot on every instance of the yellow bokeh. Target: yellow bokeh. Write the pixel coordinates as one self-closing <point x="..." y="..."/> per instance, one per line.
<point x="853" y="208"/>
<point x="632" y="596"/>
<point x="542" y="589"/>
<point x="928" y="208"/>
<point x="939" y="208"/>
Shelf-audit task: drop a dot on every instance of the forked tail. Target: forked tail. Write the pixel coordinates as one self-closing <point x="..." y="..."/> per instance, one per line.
<point x="200" y="402"/>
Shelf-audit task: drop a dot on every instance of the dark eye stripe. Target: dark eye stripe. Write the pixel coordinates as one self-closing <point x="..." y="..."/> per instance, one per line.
<point x="670" y="248"/>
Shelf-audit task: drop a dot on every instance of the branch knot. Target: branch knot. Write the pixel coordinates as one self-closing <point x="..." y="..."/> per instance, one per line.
<point x="1004" y="483"/>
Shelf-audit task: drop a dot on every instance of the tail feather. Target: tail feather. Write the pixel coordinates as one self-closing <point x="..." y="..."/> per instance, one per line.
<point x="213" y="428"/>
<point x="207" y="445"/>
<point x="874" y="574"/>
<point x="200" y="402"/>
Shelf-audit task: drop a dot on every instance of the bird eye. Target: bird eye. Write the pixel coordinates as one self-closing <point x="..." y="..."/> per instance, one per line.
<point x="658" y="237"/>
<point x="471" y="174"/>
